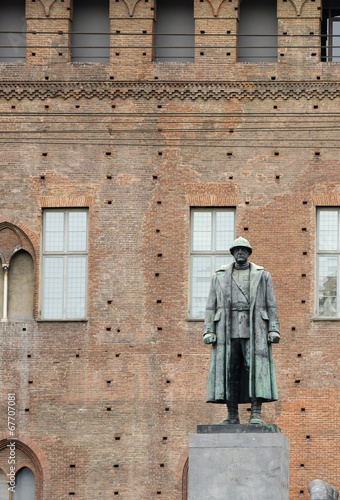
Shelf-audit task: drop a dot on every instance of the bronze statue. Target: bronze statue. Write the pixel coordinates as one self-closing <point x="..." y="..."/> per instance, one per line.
<point x="241" y="321"/>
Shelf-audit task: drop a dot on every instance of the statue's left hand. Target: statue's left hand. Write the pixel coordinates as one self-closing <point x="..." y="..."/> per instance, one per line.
<point x="273" y="337"/>
<point x="209" y="338"/>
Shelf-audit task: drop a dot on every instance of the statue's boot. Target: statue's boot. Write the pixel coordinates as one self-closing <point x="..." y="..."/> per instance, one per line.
<point x="233" y="417"/>
<point x="255" y="416"/>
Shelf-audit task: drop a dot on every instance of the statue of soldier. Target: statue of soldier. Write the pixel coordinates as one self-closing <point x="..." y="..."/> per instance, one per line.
<point x="241" y="321"/>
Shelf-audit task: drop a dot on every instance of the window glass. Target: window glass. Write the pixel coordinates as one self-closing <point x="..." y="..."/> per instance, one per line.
<point x="64" y="287"/>
<point x="24" y="485"/>
<point x="328" y="263"/>
<point x="212" y="233"/>
<point x="12" y="31"/>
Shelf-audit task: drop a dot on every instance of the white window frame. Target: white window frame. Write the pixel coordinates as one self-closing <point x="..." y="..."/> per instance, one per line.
<point x="328" y="253"/>
<point x="64" y="254"/>
<point x="213" y="253"/>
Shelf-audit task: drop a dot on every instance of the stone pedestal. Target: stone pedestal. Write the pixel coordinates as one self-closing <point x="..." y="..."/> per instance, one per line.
<point x="238" y="462"/>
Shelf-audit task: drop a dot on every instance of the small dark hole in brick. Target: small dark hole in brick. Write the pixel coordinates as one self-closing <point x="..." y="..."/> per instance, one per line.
<point x="202" y="32"/>
<point x="156" y="77"/>
<point x="165" y="438"/>
<point x="168" y="381"/>
<point x="247" y="203"/>
<point x="303" y="301"/>
<point x="304" y="253"/>
<point x="179" y="355"/>
<point x="304" y="202"/>
<point x="108" y="381"/>
<point x="117" y="438"/>
<point x="117" y="355"/>
<point x="144" y="32"/>
<point x="302" y="466"/>
<point x="315" y="106"/>
<point x="228" y="32"/>
<point x="116" y="466"/>
<point x="43" y="154"/>
<point x="156" y="274"/>
<point x="144" y="53"/>
<point x="318" y="78"/>
<point x="108" y="329"/>
<point x="24" y="329"/>
<point x="108" y="153"/>
<point x="274" y="107"/>
<point x="109" y="177"/>
<point x="245" y="229"/>
<point x="201" y="53"/>
<point x="307" y="438"/>
<point x="248" y="409"/>
<point x="109" y="301"/>
<point x="29" y="355"/>
<point x="277" y="153"/>
<point x="297" y="381"/>
<point x="161" y="465"/>
<point x="277" y="177"/>
<point x="159" y="202"/>
<point x="229" y="154"/>
<point x="108" y="408"/>
<point x="228" y="53"/>
<point x="77" y="355"/>
<point x="30" y="381"/>
<point x="159" y="106"/>
<point x="33" y="53"/>
<point x="167" y="409"/>
<point x="160" y="255"/>
<point x="155" y="177"/>
<point x="159" y="492"/>
<point x="231" y="178"/>
<point x="27" y="409"/>
<point x="293" y="328"/>
<point x="231" y="131"/>
<point x="313" y="54"/>
<point x="299" y="355"/>
<point x="118" y="330"/>
<point x="285" y="33"/>
<point x="159" y="301"/>
<point x="60" y="53"/>
<point x="281" y="55"/>
<point x="303" y="410"/>
<point x="159" y="328"/>
<point x="77" y="106"/>
<point x="158" y="230"/>
<point x="13" y="107"/>
<point x="47" y="106"/>
<point x="72" y="466"/>
<point x="317" y="153"/>
<point x="273" y="78"/>
<point x="160" y="153"/>
<point x="113" y="106"/>
<point x="109" y="202"/>
<point x="117" y="53"/>
<point x="304" y="229"/>
<point x="303" y="275"/>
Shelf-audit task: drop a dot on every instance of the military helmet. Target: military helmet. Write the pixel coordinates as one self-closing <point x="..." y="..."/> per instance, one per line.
<point x="240" y="242"/>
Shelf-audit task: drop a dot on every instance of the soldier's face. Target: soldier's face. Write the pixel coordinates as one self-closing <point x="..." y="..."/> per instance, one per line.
<point x="241" y="255"/>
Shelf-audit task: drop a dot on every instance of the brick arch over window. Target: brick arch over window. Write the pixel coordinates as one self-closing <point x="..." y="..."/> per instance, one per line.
<point x="13" y="239"/>
<point x="185" y="480"/>
<point x="24" y="457"/>
<point x="17" y="256"/>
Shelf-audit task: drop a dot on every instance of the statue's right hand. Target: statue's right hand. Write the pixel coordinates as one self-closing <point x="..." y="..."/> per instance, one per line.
<point x="209" y="338"/>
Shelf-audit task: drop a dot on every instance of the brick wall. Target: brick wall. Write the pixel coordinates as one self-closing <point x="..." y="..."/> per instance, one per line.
<point x="139" y="143"/>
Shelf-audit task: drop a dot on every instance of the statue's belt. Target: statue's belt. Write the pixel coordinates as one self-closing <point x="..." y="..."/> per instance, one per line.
<point x="240" y="307"/>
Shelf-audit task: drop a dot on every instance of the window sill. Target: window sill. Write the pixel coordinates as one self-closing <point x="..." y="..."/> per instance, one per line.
<point x="325" y="319"/>
<point x="62" y="320"/>
<point x="195" y="320"/>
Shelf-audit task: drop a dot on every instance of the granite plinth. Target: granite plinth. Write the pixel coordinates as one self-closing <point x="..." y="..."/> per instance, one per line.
<point x="237" y="464"/>
<point x="237" y="428"/>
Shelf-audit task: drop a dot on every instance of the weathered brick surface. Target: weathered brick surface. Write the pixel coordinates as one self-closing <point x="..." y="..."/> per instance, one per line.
<point x="142" y="359"/>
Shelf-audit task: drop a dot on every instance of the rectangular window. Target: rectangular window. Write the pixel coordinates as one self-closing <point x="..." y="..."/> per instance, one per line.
<point x="175" y="28"/>
<point x="212" y="233"/>
<point x="328" y="258"/>
<point x="91" y="31"/>
<point x="12" y="31"/>
<point x="64" y="283"/>
<point x="330" y="32"/>
<point x="258" y="27"/>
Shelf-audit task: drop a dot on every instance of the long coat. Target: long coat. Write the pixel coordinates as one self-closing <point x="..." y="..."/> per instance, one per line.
<point x="260" y="382"/>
